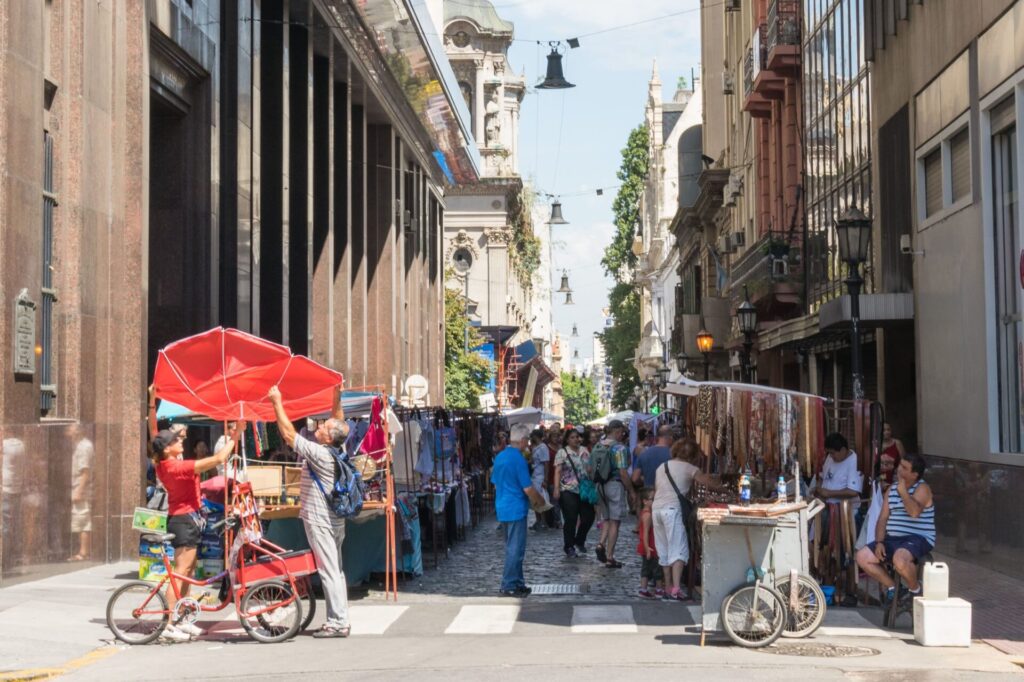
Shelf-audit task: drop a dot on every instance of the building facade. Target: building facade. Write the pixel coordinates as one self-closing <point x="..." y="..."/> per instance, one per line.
<point x="945" y="118"/>
<point x="494" y="247"/>
<point x="278" y="167"/>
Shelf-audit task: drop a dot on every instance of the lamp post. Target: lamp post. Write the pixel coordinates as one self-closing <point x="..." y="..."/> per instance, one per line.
<point x="638" y="393"/>
<point x="853" y="230"/>
<point x="705" y="342"/>
<point x="746" y="316"/>
<point x="663" y="372"/>
<point x="682" y="360"/>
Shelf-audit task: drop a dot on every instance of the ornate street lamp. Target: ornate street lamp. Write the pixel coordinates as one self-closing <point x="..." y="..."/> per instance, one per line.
<point x="705" y="342"/>
<point x="554" y="79"/>
<point x="568" y="298"/>
<point x="556" y="214"/>
<point x="564" y="288"/>
<point x="853" y="231"/>
<point x="746" y="316"/>
<point x="682" y="360"/>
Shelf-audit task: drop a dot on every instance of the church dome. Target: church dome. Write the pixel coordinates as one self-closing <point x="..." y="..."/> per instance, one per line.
<point x="478" y="12"/>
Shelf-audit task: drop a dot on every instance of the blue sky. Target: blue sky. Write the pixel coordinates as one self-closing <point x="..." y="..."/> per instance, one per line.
<point x="578" y="150"/>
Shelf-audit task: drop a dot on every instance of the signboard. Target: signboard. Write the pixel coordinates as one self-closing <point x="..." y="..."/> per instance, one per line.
<point x="24" y="334"/>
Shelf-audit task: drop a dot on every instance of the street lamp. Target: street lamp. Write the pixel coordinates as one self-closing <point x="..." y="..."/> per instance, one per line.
<point x="746" y="316"/>
<point x="853" y="230"/>
<point x="682" y="360"/>
<point x="663" y="373"/>
<point x="705" y="342"/>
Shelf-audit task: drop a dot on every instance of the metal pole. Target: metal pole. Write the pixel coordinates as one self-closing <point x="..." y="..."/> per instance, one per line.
<point x="707" y="367"/>
<point x="854" y="282"/>
<point x="745" y="360"/>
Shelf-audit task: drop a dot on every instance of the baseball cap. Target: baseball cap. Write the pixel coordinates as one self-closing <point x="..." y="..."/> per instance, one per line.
<point x="615" y="424"/>
<point x="163" y="439"/>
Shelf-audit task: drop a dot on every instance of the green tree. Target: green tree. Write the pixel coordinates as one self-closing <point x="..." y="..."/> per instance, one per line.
<point x="466" y="374"/>
<point x="623" y="336"/>
<point x="580" y="396"/>
<point x="620" y="340"/>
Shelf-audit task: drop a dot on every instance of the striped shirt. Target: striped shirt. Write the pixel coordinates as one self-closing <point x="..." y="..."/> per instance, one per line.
<point x="314" y="509"/>
<point x="900" y="521"/>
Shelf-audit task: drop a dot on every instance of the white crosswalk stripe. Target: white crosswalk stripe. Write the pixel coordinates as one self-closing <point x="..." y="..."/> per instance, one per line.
<point x="483" y="620"/>
<point x="374" y="620"/>
<point x="603" y="619"/>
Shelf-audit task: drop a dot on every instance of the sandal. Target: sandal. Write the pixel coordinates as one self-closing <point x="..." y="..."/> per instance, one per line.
<point x="600" y="554"/>
<point x="612" y="563"/>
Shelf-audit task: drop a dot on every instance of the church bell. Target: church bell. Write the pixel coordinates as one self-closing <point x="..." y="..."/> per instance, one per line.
<point x="554" y="79"/>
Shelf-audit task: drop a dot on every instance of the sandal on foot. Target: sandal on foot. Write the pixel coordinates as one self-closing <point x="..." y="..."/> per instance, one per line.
<point x="612" y="563"/>
<point x="600" y="554"/>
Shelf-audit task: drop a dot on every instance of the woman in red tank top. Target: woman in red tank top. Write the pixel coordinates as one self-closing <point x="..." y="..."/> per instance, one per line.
<point x="892" y="453"/>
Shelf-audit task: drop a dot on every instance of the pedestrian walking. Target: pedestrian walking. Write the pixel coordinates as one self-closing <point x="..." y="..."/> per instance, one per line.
<point x="610" y="463"/>
<point x="574" y="492"/>
<point x="513" y="494"/>
<point x="653" y="457"/>
<point x="324" y="529"/>
<point x="540" y="458"/>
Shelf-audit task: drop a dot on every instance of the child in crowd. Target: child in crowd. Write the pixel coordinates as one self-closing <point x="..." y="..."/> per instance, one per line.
<point x="650" y="569"/>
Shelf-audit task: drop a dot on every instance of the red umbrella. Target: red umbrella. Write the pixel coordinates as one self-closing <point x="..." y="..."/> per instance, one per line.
<point x="225" y="374"/>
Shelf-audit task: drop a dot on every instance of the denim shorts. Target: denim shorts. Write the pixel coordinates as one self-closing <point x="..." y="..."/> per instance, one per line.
<point x="915" y="544"/>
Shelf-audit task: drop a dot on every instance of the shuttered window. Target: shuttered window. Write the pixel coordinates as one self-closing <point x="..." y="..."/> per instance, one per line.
<point x="960" y="164"/>
<point x="933" y="183"/>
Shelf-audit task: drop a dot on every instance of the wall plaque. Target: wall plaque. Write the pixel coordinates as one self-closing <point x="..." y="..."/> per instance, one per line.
<point x="24" y="334"/>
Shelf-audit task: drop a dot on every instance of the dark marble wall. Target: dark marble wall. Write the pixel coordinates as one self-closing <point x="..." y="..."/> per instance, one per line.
<point x="979" y="515"/>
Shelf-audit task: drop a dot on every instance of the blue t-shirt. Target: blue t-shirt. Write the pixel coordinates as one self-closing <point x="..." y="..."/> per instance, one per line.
<point x="649" y="461"/>
<point x="510" y="477"/>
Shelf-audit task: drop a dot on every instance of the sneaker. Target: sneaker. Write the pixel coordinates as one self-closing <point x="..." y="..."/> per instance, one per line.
<point x="645" y="594"/>
<point x="665" y="596"/>
<point x="581" y="550"/>
<point x="330" y="631"/>
<point x="659" y="592"/>
<point x="190" y="629"/>
<point x="890" y="594"/>
<point x="571" y="553"/>
<point x="172" y="634"/>
<point x="523" y="591"/>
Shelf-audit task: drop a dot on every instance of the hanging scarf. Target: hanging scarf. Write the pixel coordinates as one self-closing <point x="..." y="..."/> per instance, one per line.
<point x="375" y="443"/>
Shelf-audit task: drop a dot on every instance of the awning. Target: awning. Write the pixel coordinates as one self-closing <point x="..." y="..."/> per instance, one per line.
<point x="528" y="415"/>
<point x="355" y="404"/>
<point x="687" y="387"/>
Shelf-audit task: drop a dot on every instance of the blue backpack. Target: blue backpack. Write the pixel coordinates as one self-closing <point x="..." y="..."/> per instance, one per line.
<point x="346" y="496"/>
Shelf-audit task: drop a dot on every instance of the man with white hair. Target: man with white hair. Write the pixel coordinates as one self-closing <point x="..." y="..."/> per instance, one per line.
<point x="513" y="493"/>
<point x="324" y="530"/>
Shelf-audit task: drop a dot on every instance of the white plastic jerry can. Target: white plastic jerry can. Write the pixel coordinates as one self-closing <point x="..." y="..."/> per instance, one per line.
<point x="936" y="581"/>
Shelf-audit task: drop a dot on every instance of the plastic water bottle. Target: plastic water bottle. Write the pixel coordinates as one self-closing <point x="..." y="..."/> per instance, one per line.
<point x="744" y="489"/>
<point x="780" y="489"/>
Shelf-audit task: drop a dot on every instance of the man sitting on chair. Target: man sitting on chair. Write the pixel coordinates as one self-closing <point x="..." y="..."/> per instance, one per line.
<point x="905" y="531"/>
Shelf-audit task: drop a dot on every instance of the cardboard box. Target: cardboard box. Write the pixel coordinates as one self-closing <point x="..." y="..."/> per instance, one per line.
<point x="149" y="520"/>
<point x="151" y="569"/>
<point x="154" y="550"/>
<point x="207" y="568"/>
<point x="211" y="550"/>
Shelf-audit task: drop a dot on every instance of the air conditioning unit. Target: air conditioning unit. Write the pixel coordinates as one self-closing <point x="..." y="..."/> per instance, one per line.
<point x="728" y="83"/>
<point x="733" y="5"/>
<point x="724" y="244"/>
<point x="739" y="239"/>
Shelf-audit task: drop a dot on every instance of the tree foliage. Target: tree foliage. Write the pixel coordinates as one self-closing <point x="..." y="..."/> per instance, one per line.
<point x="619" y="258"/>
<point x="466" y="374"/>
<point x="525" y="251"/>
<point x="580" y="397"/>
<point x="623" y="336"/>
<point x="620" y="340"/>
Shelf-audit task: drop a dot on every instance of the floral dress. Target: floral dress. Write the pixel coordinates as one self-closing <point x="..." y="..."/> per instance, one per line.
<point x="568" y="481"/>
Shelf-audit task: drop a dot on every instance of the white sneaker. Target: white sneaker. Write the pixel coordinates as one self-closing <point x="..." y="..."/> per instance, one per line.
<point x="172" y="634"/>
<point x="190" y="629"/>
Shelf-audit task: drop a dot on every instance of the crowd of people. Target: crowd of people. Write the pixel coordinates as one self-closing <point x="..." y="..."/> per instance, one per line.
<point x="574" y="477"/>
<point x="577" y="477"/>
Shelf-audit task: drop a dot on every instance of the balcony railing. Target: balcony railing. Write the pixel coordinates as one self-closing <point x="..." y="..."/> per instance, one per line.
<point x="772" y="260"/>
<point x="783" y="23"/>
<point x="748" y="73"/>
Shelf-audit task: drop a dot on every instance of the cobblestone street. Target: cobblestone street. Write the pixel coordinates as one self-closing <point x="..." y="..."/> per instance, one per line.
<point x="473" y="567"/>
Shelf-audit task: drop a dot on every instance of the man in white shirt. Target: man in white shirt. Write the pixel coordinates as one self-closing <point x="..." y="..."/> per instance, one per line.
<point x="839" y="478"/>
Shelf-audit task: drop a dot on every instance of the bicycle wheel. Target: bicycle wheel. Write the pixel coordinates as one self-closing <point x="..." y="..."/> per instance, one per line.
<point x="751" y="624"/>
<point x="810" y="607"/>
<point x="305" y="586"/>
<point x="136" y="614"/>
<point x="265" y="617"/>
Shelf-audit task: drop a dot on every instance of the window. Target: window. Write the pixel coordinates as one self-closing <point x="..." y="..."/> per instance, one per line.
<point x="944" y="171"/>
<point x="960" y="165"/>
<point x="48" y="385"/>
<point x="1009" y="325"/>
<point x="933" y="183"/>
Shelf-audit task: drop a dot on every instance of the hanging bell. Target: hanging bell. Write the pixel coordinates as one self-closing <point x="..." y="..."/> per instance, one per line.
<point x="576" y="354"/>
<point x="556" y="215"/>
<point x="568" y="298"/>
<point x="554" y="80"/>
<point x="565" y="288"/>
<point x="575" y="332"/>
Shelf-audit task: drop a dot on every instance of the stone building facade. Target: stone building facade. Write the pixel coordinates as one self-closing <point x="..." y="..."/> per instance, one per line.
<point x="279" y="167"/>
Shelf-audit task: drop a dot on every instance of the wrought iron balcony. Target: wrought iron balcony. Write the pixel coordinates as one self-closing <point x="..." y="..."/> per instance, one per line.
<point x="783" y="39"/>
<point x="755" y="78"/>
<point x="771" y="269"/>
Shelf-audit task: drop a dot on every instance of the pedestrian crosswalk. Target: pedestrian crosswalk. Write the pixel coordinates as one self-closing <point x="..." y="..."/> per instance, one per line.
<point x="537" y="618"/>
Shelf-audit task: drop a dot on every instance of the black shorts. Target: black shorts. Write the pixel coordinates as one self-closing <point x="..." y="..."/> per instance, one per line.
<point x="186" y="530"/>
